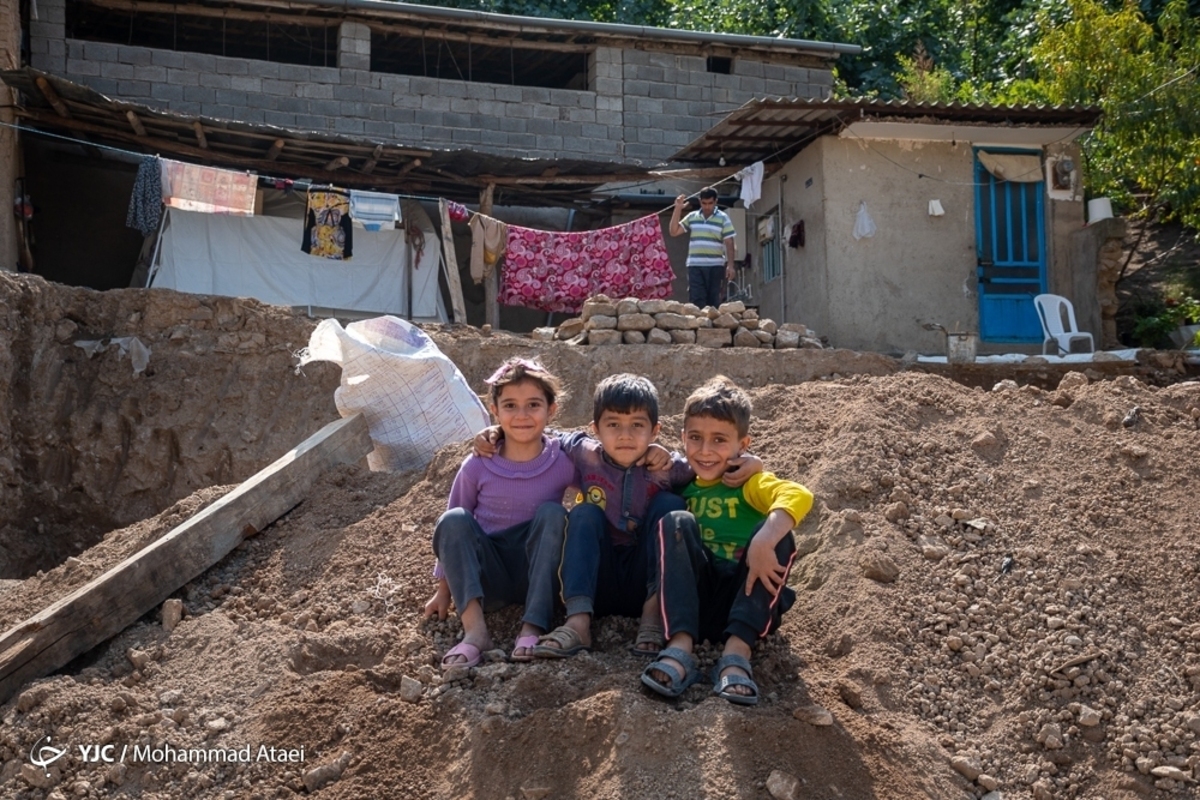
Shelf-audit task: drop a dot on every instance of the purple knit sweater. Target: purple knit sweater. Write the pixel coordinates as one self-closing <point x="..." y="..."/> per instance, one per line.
<point x="502" y="493"/>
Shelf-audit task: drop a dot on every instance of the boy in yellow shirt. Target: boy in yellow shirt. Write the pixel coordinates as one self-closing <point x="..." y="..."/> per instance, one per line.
<point x="722" y="566"/>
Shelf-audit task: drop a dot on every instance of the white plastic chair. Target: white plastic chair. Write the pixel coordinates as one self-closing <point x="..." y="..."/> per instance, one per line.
<point x="1050" y="312"/>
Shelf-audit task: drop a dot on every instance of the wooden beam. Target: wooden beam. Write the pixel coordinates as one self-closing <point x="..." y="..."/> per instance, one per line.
<point x="369" y="165"/>
<point x="135" y="123"/>
<point x="336" y="164"/>
<point x="111" y="602"/>
<point x="201" y="139"/>
<point x="491" y="284"/>
<point x="275" y="149"/>
<point x="407" y="168"/>
<point x="52" y="97"/>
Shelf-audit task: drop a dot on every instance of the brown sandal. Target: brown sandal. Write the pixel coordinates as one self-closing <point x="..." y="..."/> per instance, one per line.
<point x="568" y="642"/>
<point x="650" y="633"/>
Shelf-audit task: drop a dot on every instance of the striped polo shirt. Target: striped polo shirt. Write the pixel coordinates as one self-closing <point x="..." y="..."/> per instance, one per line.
<point x="706" y="245"/>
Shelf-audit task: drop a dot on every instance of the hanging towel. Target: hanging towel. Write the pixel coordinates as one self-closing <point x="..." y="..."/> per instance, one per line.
<point x="375" y="210"/>
<point x="192" y="187"/>
<point x="558" y="271"/>
<point x="146" y="204"/>
<point x="327" y="229"/>
<point x="489" y="237"/>
<point x="751" y="178"/>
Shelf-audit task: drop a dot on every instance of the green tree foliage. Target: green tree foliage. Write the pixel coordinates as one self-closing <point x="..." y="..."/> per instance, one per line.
<point x="1145" y="152"/>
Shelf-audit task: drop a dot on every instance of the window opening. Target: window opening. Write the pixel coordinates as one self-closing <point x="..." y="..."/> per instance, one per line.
<point x="721" y="65"/>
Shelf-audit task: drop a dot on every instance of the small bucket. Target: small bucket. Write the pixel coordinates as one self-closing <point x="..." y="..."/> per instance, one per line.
<point x="1098" y="209"/>
<point x="960" y="347"/>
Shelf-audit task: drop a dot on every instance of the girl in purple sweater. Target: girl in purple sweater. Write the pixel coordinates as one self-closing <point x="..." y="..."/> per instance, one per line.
<point x="500" y="541"/>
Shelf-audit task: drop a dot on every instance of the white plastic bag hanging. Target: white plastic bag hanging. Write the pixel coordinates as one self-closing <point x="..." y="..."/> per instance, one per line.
<point x="414" y="398"/>
<point x="864" y="226"/>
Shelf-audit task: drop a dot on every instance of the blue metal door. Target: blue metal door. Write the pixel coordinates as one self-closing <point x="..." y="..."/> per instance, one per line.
<point x="1011" y="251"/>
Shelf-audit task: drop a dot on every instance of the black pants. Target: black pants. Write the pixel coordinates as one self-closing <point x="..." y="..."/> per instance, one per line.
<point x="706" y="286"/>
<point x="705" y="596"/>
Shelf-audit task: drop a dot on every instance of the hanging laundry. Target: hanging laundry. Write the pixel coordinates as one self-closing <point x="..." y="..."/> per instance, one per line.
<point x="327" y="229"/>
<point x="457" y="211"/>
<point x="489" y="237"/>
<point x="751" y="178"/>
<point x="558" y="271"/>
<point x="375" y="210"/>
<point x="192" y="187"/>
<point x="146" y="203"/>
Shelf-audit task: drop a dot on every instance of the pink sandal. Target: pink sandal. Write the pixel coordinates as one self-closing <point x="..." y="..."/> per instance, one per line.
<point x="526" y="642"/>
<point x="469" y="651"/>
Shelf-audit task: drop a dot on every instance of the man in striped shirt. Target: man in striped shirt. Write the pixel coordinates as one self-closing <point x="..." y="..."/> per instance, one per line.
<point x="710" y="248"/>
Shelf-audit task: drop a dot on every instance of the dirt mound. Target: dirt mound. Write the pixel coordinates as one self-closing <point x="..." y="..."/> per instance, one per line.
<point x="998" y="589"/>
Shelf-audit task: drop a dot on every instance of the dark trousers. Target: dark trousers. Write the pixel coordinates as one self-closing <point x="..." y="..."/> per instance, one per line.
<point x="705" y="596"/>
<point x="706" y="286"/>
<point x="601" y="578"/>
<point x="512" y="567"/>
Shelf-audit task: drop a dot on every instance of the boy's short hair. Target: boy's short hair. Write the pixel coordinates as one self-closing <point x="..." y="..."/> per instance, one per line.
<point x="708" y="193"/>
<point x="625" y="394"/>
<point x="721" y="399"/>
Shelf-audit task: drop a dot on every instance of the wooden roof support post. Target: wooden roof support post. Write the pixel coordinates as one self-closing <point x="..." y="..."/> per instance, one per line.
<point x="450" y="262"/>
<point x="369" y="165"/>
<point x="337" y="163"/>
<point x="491" y="284"/>
<point x="105" y="606"/>
<point x="52" y="98"/>
<point x="201" y="139"/>
<point x="274" y="150"/>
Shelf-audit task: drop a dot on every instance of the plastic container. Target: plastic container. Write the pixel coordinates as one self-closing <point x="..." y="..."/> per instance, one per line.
<point x="1099" y="208"/>
<point x="960" y="347"/>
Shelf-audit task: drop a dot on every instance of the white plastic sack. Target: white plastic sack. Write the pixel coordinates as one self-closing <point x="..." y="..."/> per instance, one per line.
<point x="864" y="226"/>
<point x="413" y="397"/>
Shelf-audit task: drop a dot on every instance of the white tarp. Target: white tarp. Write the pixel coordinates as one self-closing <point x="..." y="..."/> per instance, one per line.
<point x="412" y="395"/>
<point x="260" y="257"/>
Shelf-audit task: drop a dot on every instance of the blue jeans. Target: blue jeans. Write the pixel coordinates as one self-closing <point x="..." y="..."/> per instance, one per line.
<point x="513" y="566"/>
<point x="705" y="596"/>
<point x="601" y="578"/>
<point x="706" y="285"/>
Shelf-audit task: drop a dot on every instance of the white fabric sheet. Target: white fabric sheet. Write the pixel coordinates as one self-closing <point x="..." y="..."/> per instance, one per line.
<point x="260" y="257"/>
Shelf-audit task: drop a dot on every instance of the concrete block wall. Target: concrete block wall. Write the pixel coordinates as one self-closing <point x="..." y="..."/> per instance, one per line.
<point x="641" y="105"/>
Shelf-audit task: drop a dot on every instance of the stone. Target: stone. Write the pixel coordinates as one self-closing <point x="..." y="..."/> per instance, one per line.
<point x="571" y="328"/>
<point x="172" y="613"/>
<point x="794" y="327"/>
<point x="1088" y="717"/>
<point x="601" y="337"/>
<point x="1072" y="381"/>
<point x="635" y="322"/>
<point x="988" y="783"/>
<point x="681" y="337"/>
<point x="139" y="658"/>
<point x="628" y="305"/>
<point x="786" y="340"/>
<point x="896" y="511"/>
<point x="690" y="309"/>
<point x="783" y="786"/>
<point x="535" y="792"/>
<point x="725" y="321"/>
<point x="672" y="322"/>
<point x="593" y="308"/>
<point x="1193" y="724"/>
<point x="633" y="337"/>
<point x="749" y="324"/>
<point x="811" y="343"/>
<point x="766" y="338"/>
<point x="750" y="313"/>
<point x="410" y="689"/>
<point x="1102" y="356"/>
<point x="879" y="567"/>
<point x="850" y="695"/>
<point x="1042" y="791"/>
<point x="966" y="766"/>
<point x="659" y="336"/>
<point x="30" y="698"/>
<point x="322" y="776"/>
<point x="768" y="325"/>
<point x="543" y="334"/>
<point x="1174" y="773"/>
<point x="601" y="322"/>
<point x="736" y="307"/>
<point x="38" y="778"/>
<point x="714" y="337"/>
<point x="1050" y="737"/>
<point x="745" y="338"/>
<point x="654" y="306"/>
<point x="814" y="715"/>
<point x="984" y="441"/>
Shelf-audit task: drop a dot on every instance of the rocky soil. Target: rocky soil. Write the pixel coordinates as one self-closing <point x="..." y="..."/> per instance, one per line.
<point x="998" y="598"/>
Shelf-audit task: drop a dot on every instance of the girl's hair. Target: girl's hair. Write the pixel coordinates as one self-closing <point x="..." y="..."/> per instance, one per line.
<point x="515" y="370"/>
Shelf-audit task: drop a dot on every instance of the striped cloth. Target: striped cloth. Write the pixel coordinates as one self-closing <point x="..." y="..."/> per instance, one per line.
<point x="706" y="245"/>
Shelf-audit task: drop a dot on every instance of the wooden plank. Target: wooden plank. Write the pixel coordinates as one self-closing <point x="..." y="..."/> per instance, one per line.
<point x="336" y="164"/>
<point x="450" y="262"/>
<point x="52" y="97"/>
<point x="108" y="604"/>
<point x="491" y="284"/>
<point x="200" y="138"/>
<point x="135" y="123"/>
<point x="369" y="165"/>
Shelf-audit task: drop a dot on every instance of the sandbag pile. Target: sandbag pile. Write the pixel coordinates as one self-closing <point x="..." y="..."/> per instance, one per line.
<point x="633" y="321"/>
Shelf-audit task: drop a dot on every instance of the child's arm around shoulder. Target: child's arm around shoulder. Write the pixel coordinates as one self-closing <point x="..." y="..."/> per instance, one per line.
<point x="767" y="492"/>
